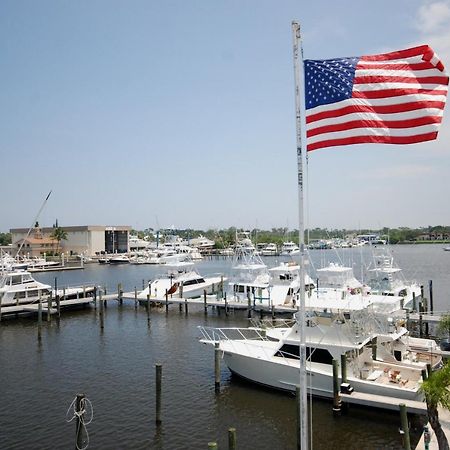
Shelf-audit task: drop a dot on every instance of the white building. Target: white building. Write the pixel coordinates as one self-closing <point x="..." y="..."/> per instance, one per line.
<point x="88" y="240"/>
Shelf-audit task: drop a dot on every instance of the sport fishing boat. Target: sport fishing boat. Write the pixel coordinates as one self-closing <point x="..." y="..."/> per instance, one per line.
<point x="184" y="281"/>
<point x="273" y="360"/>
<point x="19" y="287"/>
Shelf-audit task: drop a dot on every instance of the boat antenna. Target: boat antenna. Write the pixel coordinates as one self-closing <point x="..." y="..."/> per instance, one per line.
<point x="303" y="397"/>
<point x="34" y="222"/>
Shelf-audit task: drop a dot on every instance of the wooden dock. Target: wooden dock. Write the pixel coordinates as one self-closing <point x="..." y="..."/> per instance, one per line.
<point x="383" y="402"/>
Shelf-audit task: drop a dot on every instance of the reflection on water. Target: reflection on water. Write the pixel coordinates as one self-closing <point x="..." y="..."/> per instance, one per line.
<point x="115" y="369"/>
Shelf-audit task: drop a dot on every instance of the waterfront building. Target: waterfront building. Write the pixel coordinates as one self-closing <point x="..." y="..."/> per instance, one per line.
<point x="88" y="240"/>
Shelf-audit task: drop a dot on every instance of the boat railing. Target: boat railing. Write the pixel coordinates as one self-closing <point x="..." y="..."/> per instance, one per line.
<point x="251" y="337"/>
<point x="211" y="334"/>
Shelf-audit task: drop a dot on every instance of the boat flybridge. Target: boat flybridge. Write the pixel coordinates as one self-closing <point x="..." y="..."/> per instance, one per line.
<point x="289" y="248"/>
<point x="183" y="280"/>
<point x="386" y="279"/>
<point x="374" y="364"/>
<point x="18" y="287"/>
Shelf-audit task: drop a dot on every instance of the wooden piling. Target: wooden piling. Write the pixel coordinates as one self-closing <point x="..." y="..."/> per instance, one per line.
<point x="79" y="413"/>
<point x="226" y="305"/>
<point x="405" y="427"/>
<point x="232" y="439"/>
<point x="49" y="307"/>
<point x="205" y="305"/>
<point x="120" y="293"/>
<point x="424" y="374"/>
<point x="336" y="397"/>
<point x="167" y="301"/>
<point x="40" y="317"/>
<point x="414" y="302"/>
<point x="135" y="298"/>
<point x="147" y="307"/>
<point x="222" y="293"/>
<point x="64" y="293"/>
<point x="158" y="368"/>
<point x="95" y="298"/>
<point x="249" y="303"/>
<point x="58" y="305"/>
<point x="84" y="291"/>
<point x="101" y="312"/>
<point x="143" y="284"/>
<point x="185" y="306"/>
<point x="430" y="288"/>
<point x="217" y="367"/>
<point x="420" y="325"/>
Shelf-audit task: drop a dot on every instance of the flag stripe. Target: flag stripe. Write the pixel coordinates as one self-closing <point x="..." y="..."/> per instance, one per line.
<point x="402" y="65"/>
<point x="388" y="93"/>
<point x="409" y="115"/>
<point x="400" y="72"/>
<point x="395" y="79"/>
<point x="374" y="131"/>
<point x="400" y="54"/>
<point x="374" y="140"/>
<point x="382" y="109"/>
<point x="363" y="124"/>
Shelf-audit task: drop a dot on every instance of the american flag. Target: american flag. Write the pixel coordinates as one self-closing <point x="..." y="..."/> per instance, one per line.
<point x="391" y="98"/>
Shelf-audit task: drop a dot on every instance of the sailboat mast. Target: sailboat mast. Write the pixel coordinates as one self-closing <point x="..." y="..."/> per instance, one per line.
<point x="303" y="398"/>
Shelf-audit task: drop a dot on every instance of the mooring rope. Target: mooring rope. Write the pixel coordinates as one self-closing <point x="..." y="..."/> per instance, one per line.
<point x="80" y="415"/>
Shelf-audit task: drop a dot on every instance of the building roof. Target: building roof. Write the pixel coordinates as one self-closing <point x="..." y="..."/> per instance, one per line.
<point x="40" y="241"/>
<point x="77" y="228"/>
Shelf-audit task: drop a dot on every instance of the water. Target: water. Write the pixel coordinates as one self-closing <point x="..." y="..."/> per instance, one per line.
<point x="115" y="369"/>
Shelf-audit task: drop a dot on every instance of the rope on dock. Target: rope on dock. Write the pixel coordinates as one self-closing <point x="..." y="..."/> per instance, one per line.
<point x="80" y="416"/>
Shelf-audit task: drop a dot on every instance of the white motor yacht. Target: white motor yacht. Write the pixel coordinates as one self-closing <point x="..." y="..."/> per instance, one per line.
<point x="270" y="249"/>
<point x="19" y="287"/>
<point x="248" y="353"/>
<point x="289" y="248"/>
<point x="184" y="281"/>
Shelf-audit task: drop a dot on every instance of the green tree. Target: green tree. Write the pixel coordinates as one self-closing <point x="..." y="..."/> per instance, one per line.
<point x="444" y="325"/>
<point x="437" y="393"/>
<point x="58" y="235"/>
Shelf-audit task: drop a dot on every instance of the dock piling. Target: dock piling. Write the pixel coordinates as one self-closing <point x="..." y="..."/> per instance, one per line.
<point x="147" y="307"/>
<point x="135" y="298"/>
<point x="101" y="312"/>
<point x="120" y="294"/>
<point x="158" y="368"/>
<point x="167" y="301"/>
<point x="430" y="287"/>
<point x="58" y="306"/>
<point x="205" y="306"/>
<point x="336" y="396"/>
<point x="249" y="302"/>
<point x="405" y="427"/>
<point x="216" y="367"/>
<point x="185" y="306"/>
<point x="40" y="317"/>
<point x="232" y="439"/>
<point x="226" y="305"/>
<point x="49" y="307"/>
<point x="414" y="302"/>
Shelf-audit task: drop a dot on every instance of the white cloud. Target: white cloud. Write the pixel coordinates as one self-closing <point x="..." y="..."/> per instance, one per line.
<point x="433" y="16"/>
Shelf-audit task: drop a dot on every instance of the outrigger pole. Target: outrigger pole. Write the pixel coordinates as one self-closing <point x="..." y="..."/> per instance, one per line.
<point x="34" y="221"/>
<point x="301" y="315"/>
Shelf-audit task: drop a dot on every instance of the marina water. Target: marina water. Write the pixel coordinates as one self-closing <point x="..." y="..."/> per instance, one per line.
<point x="115" y="369"/>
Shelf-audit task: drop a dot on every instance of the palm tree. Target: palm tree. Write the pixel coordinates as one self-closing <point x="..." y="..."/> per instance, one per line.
<point x="58" y="235"/>
<point x="437" y="393"/>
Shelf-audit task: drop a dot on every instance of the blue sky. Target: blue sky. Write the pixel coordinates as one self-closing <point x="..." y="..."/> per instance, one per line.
<point x="161" y="113"/>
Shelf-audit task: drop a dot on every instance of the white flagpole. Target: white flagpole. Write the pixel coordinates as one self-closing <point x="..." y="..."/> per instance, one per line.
<point x="303" y="397"/>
